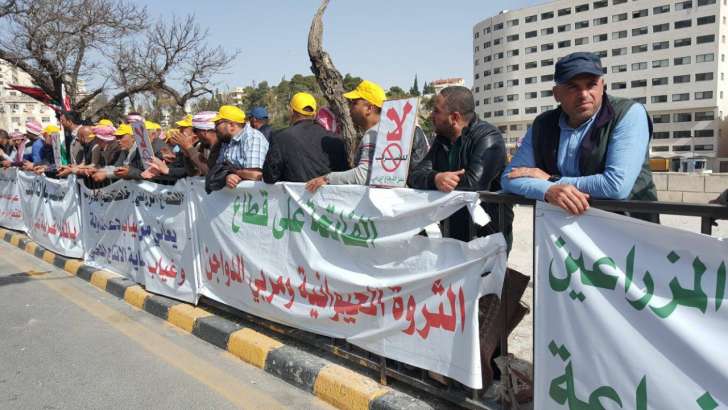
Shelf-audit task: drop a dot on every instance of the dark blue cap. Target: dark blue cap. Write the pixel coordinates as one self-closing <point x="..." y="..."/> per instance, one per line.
<point x="578" y="63"/>
<point x="260" y="113"/>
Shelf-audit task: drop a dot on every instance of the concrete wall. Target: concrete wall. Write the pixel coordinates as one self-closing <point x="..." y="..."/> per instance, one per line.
<point x="695" y="188"/>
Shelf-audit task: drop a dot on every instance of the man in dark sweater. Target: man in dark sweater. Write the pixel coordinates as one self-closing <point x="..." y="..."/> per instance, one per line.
<point x="467" y="155"/>
<point x="304" y="150"/>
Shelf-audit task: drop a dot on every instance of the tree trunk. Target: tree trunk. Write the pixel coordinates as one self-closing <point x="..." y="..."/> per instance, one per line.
<point x="331" y="81"/>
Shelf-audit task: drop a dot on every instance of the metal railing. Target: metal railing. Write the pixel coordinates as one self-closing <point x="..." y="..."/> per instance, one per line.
<point x="419" y="379"/>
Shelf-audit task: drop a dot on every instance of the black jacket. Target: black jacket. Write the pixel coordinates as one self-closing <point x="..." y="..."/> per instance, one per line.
<point x="303" y="151"/>
<point x="483" y="157"/>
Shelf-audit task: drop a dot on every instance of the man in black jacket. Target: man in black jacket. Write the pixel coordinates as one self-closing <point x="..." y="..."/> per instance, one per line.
<point x="304" y="150"/>
<point x="468" y="155"/>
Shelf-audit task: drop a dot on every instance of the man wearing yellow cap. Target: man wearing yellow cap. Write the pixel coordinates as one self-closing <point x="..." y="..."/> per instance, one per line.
<point x="305" y="149"/>
<point x="242" y="148"/>
<point x="365" y="107"/>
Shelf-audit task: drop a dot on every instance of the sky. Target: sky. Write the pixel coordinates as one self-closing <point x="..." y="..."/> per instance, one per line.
<point x="385" y="41"/>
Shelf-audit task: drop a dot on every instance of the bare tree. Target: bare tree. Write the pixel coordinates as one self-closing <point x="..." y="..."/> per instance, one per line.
<point x="331" y="81"/>
<point x="67" y="42"/>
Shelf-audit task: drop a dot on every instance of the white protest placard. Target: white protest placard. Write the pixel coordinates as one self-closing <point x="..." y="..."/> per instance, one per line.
<point x="11" y="211"/>
<point x="57" y="145"/>
<point x="143" y="143"/>
<point x="396" y="132"/>
<point x="629" y="314"/>
<point x="347" y="262"/>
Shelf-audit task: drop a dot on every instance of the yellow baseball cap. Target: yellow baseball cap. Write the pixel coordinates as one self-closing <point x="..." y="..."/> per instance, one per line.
<point x="369" y="91"/>
<point x="185" y="122"/>
<point x="51" y="129"/>
<point x="105" y="122"/>
<point x="304" y="103"/>
<point x="230" y="113"/>
<point x="123" y="130"/>
<point x="150" y="126"/>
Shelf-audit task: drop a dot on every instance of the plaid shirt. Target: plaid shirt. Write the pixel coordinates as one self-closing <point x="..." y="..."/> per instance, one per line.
<point x="247" y="149"/>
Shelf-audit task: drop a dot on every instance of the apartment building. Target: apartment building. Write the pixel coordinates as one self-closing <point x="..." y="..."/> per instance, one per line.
<point x="667" y="55"/>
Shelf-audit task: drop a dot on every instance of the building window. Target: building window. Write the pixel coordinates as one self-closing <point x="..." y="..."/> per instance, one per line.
<point x="599" y="38"/>
<point x="681" y="60"/>
<point x="681" y="97"/>
<point x="512" y="23"/>
<point x="679" y="79"/>
<point x="498" y="84"/>
<point x="659" y="81"/>
<point x="601" y="54"/>
<point x="498" y="99"/>
<point x="661" y="118"/>
<point x="703" y="95"/>
<point x="530" y="95"/>
<point x="547" y="15"/>
<point x="682" y="42"/>
<point x="497" y="70"/>
<point x="512" y="97"/>
<point x="531" y="64"/>
<point x="487" y="58"/>
<point x="639" y="31"/>
<point x="619" y="34"/>
<point x="639" y="13"/>
<point x="497" y="41"/>
<point x="512" y="37"/>
<point x="661" y="45"/>
<point x="660" y="135"/>
<point x="708" y="147"/>
<point x="619" y="86"/>
<point x="498" y="56"/>
<point x="705" y="39"/>
<point x="683" y="24"/>
<point x="638" y="83"/>
<point x="486" y="45"/>
<point x="581" y="24"/>
<point x="616" y="2"/>
<point x="546" y="93"/>
<point x="477" y="35"/>
<point x="564" y="44"/>
<point x="546" y="31"/>
<point x="600" y="4"/>
<point x="641" y="100"/>
<point x="706" y="20"/>
<point x="581" y="41"/>
<point x="639" y="49"/>
<point x="682" y="117"/>
<point x="658" y="28"/>
<point x="486" y="101"/>
<point x="531" y="50"/>
<point x="498" y="26"/>
<point x="530" y="80"/>
<point x="563" y="28"/>
<point x="513" y="53"/>
<point x="683" y="5"/>
<point x="513" y="111"/>
<point x="619" y="68"/>
<point x="512" y="83"/>
<point x="564" y="12"/>
<point x="477" y="76"/>
<point x="498" y="113"/>
<point x="704" y="133"/>
<point x="658" y="99"/>
<point x="487" y="87"/>
<point x="545" y="108"/>
<point x="531" y="19"/>
<point x="530" y="110"/>
<point x="600" y="21"/>
<point x="619" y="17"/>
<point x="581" y="8"/>
<point x="639" y="66"/>
<point x="619" y="51"/>
<point x="547" y="77"/>
<point x="511" y="68"/>
<point x="661" y="9"/>
<point x="680" y="148"/>
<point x="531" y="34"/>
<point x="547" y="46"/>
<point x="704" y="116"/>
<point x="486" y="73"/>
<point x="705" y="2"/>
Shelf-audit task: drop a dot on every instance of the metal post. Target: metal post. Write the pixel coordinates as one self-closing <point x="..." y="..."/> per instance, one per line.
<point x="706" y="226"/>
<point x="503" y="302"/>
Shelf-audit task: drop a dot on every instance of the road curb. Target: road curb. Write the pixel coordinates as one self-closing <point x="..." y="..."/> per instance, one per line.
<point x="335" y="384"/>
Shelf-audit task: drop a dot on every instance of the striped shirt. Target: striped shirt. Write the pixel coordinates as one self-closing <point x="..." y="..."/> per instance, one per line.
<point x="247" y="149"/>
<point x="359" y="175"/>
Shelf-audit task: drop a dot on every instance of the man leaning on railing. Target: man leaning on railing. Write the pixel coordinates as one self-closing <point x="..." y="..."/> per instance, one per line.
<point x="592" y="145"/>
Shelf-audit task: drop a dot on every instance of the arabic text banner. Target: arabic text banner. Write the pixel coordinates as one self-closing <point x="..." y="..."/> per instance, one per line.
<point x="140" y="230"/>
<point x="11" y="211"/>
<point x="51" y="212"/>
<point x="347" y="262"/>
<point x="629" y="314"/>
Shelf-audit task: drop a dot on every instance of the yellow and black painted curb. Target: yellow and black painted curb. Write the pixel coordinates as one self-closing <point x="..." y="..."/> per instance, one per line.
<point x="335" y="384"/>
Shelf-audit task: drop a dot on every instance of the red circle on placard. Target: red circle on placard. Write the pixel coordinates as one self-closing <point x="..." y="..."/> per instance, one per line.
<point x="388" y="156"/>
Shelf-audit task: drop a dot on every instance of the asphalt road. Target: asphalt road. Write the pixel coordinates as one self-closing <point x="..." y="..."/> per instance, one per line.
<point x="66" y="345"/>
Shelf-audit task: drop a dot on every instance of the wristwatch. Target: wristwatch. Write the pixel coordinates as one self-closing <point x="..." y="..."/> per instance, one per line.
<point x="554" y="178"/>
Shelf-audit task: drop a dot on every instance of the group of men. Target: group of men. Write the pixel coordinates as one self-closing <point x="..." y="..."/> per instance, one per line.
<point x="591" y="146"/>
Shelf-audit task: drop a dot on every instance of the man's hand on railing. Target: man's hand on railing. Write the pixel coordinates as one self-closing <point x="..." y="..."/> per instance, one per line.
<point x="448" y="181"/>
<point x="568" y="198"/>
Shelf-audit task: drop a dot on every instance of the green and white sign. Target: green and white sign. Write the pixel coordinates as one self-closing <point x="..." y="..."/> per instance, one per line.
<point x="629" y="314"/>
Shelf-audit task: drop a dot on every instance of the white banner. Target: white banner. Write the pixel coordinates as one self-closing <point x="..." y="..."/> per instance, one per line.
<point x="11" y="211"/>
<point x="347" y="262"/>
<point x="629" y="314"/>
<point x="140" y="230"/>
<point x="394" y="143"/>
<point x="51" y="213"/>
